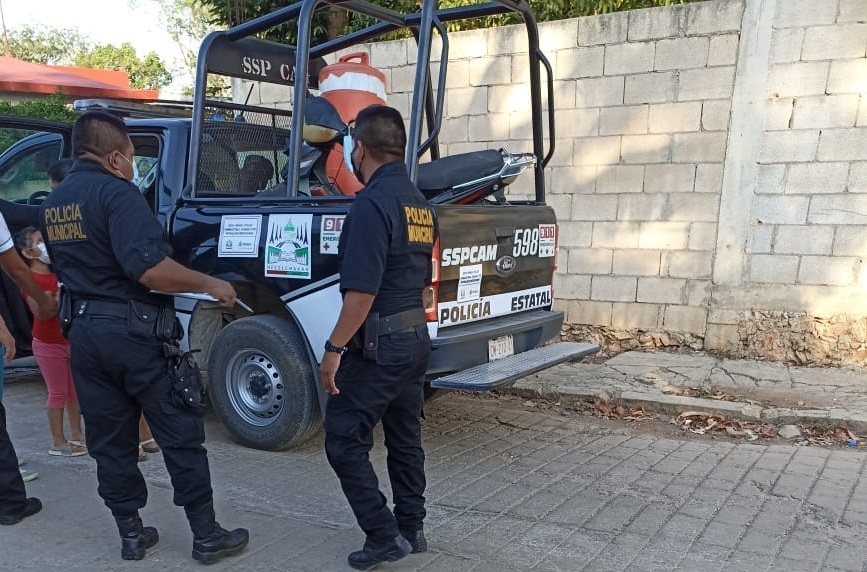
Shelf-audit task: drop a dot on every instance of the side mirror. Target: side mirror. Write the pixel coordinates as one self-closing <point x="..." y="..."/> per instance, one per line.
<point x="322" y="122"/>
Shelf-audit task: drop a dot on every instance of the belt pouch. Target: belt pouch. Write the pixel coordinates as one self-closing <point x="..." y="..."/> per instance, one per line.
<point x="64" y="310"/>
<point x="371" y="336"/>
<point x="141" y="319"/>
<point x="167" y="325"/>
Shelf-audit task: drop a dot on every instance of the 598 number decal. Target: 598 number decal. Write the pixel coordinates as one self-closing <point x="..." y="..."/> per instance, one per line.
<point x="532" y="241"/>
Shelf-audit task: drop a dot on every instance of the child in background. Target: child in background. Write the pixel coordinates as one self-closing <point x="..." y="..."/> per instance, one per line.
<point x="51" y="350"/>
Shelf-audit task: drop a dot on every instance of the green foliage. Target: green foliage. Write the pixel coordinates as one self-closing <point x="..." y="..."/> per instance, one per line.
<point x="147" y="73"/>
<point x="52" y="108"/>
<point x="46" y="45"/>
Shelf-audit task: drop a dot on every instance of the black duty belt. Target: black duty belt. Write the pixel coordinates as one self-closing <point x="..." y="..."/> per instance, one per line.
<point x="401" y="321"/>
<point x="100" y="308"/>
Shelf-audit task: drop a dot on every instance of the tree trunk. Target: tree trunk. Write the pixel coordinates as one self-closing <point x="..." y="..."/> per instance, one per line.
<point x="338" y="19"/>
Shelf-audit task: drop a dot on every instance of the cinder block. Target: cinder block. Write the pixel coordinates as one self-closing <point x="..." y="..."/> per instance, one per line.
<point x="457" y="74"/>
<point x="602" y="29"/>
<point x="636" y="262"/>
<point x="693" y="207"/>
<point x="594" y="207"/>
<point x="835" y="42"/>
<point x="587" y="312"/>
<point x="800" y="13"/>
<point x="723" y="50"/>
<point x="848" y="76"/>
<point x="655" y="23"/>
<point x="562" y="153"/>
<point x="615" y="234"/>
<point x="467" y="44"/>
<point x="620" y="179"/>
<point x="654" y="87"/>
<point x="708" y="83"/>
<point x="579" y="62"/>
<point x="778" y="113"/>
<point x="575" y="234"/>
<point x="642" y="207"/>
<point x="669" y="178"/>
<point x="661" y="290"/>
<point x="858" y="177"/>
<point x="838" y="209"/>
<point x="402" y="79"/>
<point x="556" y="35"/>
<point x="507" y="40"/>
<point x="770" y="179"/>
<point x="572" y="286"/>
<point x="564" y="95"/>
<point x="646" y="148"/>
<point x="789" y="146"/>
<point x="714" y="17"/>
<point x="761" y="240"/>
<point x="773" y="268"/>
<point x="691" y="264"/>
<point x="467" y="147"/>
<point x="798" y="79"/>
<point x="830" y="270"/>
<point x="664" y="235"/>
<point x="597" y="151"/>
<point x="815" y="178"/>
<point x="842" y="144"/>
<point x="577" y="122"/>
<point x="685" y="318"/>
<point x="590" y="260"/>
<point x="724" y="316"/>
<point x="491" y="71"/>
<point x="491" y="127"/>
<point x="505" y="98"/>
<point x="634" y="57"/>
<point x="682" y="53"/>
<point x="812" y="239"/>
<point x="562" y="205"/>
<point x="389" y="54"/>
<point x="702" y="236"/>
<point x="623" y="120"/>
<point x="675" y="117"/>
<point x="852" y="11"/>
<point x="850" y="241"/>
<point x="773" y="209"/>
<point x="455" y="129"/>
<point x="401" y="102"/>
<point x="708" y="147"/>
<point x="708" y="178"/>
<point x="786" y="44"/>
<point x="630" y="316"/>
<point x="722" y="338"/>
<point x="825" y="111"/>
<point x="572" y="180"/>
<point x="715" y="115"/>
<point x="599" y="92"/>
<point x="467" y="101"/>
<point x="699" y="292"/>
<point x="613" y="288"/>
<point x="862" y="113"/>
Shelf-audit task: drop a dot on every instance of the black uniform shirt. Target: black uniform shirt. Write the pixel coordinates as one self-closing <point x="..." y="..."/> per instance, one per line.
<point x="101" y="235"/>
<point x="386" y="243"/>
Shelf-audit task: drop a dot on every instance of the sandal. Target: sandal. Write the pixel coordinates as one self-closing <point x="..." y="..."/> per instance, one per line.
<point x="69" y="451"/>
<point x="142" y="456"/>
<point x="78" y="443"/>
<point x="149" y="446"/>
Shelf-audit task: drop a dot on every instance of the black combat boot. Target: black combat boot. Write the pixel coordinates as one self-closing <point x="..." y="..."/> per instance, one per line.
<point x="31" y="507"/>
<point x="211" y="542"/>
<point x="370" y="556"/>
<point x="416" y="540"/>
<point x="135" y="539"/>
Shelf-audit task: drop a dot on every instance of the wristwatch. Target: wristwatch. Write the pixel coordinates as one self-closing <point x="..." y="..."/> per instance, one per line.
<point x="339" y="350"/>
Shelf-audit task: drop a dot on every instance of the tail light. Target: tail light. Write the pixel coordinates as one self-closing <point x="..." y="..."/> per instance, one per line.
<point x="431" y="293"/>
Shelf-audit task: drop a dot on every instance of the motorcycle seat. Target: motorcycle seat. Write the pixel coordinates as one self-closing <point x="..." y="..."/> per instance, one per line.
<point x="448" y="172"/>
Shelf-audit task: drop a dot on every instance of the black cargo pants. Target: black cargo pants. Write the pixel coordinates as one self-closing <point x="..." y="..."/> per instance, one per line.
<point x="12" y="493"/>
<point x="390" y="389"/>
<point x="118" y="376"/>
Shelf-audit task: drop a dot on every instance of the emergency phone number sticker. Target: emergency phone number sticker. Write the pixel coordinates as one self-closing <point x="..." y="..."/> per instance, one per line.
<point x="329" y="233"/>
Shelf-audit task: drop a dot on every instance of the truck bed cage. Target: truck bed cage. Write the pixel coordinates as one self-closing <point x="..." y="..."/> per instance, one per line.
<point x="222" y="52"/>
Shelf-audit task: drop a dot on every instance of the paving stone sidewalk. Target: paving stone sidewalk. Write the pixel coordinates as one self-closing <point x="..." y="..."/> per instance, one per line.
<point x="753" y="390"/>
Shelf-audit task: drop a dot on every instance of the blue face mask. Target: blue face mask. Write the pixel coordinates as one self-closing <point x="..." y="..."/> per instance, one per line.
<point x="348" y="146"/>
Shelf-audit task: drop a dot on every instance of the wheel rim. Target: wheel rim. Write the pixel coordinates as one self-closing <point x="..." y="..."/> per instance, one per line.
<point x="255" y="387"/>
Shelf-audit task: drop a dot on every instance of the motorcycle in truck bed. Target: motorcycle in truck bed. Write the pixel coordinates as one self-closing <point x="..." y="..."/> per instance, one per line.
<point x="259" y="202"/>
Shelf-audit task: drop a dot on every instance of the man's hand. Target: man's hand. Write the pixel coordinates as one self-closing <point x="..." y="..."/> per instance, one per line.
<point x="8" y="343"/>
<point x="327" y="370"/>
<point x="224" y="292"/>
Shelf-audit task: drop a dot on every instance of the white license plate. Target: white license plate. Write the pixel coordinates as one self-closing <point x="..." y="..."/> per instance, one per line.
<point x="501" y="347"/>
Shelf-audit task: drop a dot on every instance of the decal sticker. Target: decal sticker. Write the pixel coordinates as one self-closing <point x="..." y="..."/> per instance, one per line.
<point x="329" y="233"/>
<point x="526" y="242"/>
<point x="473" y="254"/>
<point x="239" y="236"/>
<point x="288" y="247"/>
<point x="547" y="240"/>
<point x="470" y="283"/>
<point x="452" y="313"/>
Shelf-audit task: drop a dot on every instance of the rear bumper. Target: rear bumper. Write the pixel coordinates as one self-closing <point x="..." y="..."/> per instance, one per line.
<point x="461" y="347"/>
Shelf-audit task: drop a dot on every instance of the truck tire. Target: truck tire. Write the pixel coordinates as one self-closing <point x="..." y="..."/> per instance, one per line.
<point x="262" y="385"/>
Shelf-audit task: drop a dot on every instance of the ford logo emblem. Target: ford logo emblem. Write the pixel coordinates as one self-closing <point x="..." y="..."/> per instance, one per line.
<point x="506" y="264"/>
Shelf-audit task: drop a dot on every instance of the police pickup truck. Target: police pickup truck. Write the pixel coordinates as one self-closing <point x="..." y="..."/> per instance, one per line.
<point x="245" y="193"/>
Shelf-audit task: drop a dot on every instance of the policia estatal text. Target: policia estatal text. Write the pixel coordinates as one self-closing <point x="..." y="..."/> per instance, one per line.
<point x="377" y="355"/>
<point x="110" y="252"/>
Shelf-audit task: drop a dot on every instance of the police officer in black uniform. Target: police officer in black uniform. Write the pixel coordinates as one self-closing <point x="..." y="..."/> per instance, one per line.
<point x="375" y="360"/>
<point x="110" y="252"/>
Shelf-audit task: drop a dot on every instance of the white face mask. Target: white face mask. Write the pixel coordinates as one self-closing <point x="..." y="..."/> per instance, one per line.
<point x="43" y="253"/>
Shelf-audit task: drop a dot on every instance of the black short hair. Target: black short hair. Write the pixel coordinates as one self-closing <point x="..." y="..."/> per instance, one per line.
<point x="99" y="133"/>
<point x="58" y="171"/>
<point x="22" y="237"/>
<point x="382" y="131"/>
